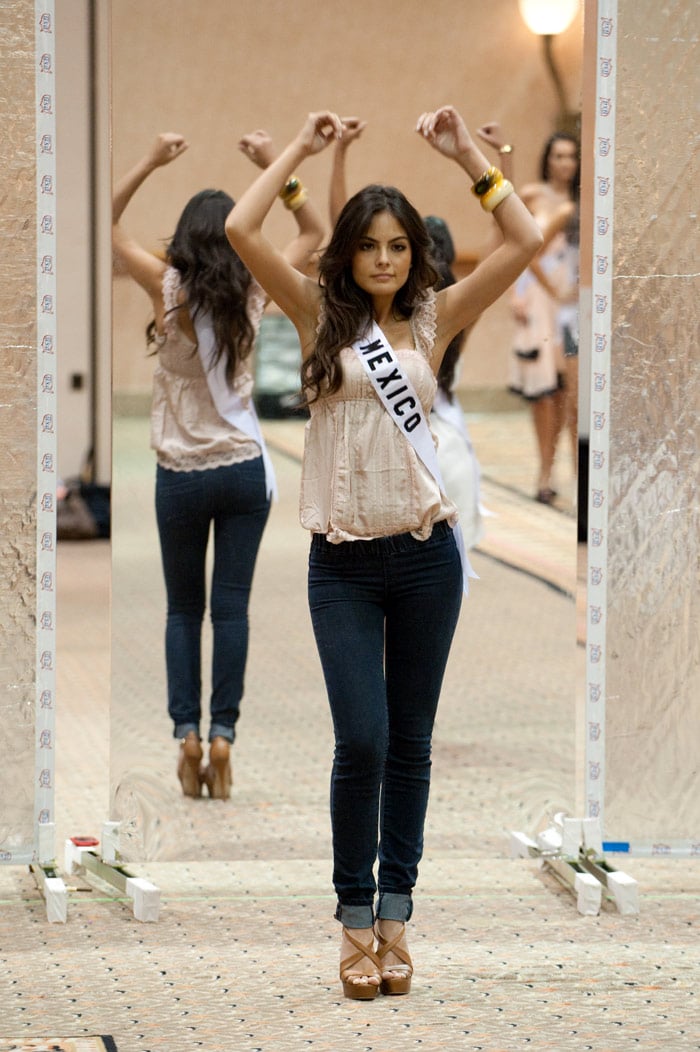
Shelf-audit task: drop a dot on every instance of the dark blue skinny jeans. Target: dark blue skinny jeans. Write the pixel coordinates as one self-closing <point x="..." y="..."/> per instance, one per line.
<point x="384" y="614"/>
<point x="233" y="498"/>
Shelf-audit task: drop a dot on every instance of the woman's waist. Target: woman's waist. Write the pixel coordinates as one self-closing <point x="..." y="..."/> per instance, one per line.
<point x="361" y="547"/>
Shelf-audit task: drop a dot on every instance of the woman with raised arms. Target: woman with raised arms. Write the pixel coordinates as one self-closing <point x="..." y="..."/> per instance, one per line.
<point x="385" y="570"/>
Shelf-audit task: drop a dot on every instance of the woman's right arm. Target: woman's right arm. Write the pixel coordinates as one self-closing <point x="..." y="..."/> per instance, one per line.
<point x="143" y="266"/>
<point x="257" y="146"/>
<point x="293" y="293"/>
<point x="492" y="133"/>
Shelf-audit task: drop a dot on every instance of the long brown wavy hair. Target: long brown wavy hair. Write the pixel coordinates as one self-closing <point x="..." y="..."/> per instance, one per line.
<point x="346" y="308"/>
<point x="213" y="276"/>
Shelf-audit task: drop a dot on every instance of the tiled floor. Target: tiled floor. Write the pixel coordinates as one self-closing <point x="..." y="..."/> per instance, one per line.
<point x="244" y="955"/>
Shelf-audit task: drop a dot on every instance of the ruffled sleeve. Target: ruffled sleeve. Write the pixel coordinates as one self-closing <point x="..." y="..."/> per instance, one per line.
<point x="171" y="287"/>
<point x="256" y="304"/>
<point x="424" y="325"/>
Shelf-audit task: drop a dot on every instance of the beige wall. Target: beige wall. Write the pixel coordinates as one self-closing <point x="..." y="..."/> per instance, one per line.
<point x="214" y="71"/>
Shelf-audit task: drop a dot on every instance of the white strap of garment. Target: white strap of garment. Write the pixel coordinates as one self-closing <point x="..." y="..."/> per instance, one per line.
<point x="451" y="413"/>
<point x="396" y="393"/>
<point x="235" y="410"/>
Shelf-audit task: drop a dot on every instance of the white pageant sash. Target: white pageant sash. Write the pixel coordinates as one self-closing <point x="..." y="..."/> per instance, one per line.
<point x="395" y="391"/>
<point x="230" y="405"/>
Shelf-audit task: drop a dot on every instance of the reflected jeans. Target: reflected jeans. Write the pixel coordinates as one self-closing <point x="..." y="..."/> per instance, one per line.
<point x="384" y="614"/>
<point x="233" y="498"/>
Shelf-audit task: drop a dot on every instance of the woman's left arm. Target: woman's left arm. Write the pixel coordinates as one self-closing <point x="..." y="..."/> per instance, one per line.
<point x="555" y="224"/>
<point x="257" y="146"/>
<point x="460" y="304"/>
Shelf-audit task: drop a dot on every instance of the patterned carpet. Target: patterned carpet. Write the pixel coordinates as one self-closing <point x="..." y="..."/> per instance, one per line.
<point x="103" y="1043"/>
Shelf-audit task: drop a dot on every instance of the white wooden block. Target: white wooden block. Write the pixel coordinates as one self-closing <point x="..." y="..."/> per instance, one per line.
<point x="591" y="835"/>
<point x="109" y="842"/>
<point x="72" y="856"/>
<point x="589" y="894"/>
<point x="549" y="840"/>
<point x="146" y="898"/>
<point x="625" y="891"/>
<point x="522" y="846"/>
<point x="571" y="837"/>
<point x="56" y="895"/>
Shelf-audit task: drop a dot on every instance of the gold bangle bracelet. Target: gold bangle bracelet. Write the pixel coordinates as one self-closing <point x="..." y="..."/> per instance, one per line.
<point x="291" y="187"/>
<point x="485" y="182"/>
<point x="296" y="200"/>
<point x="504" y="188"/>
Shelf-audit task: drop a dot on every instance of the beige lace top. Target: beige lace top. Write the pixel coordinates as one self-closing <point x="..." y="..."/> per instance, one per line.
<point x="187" y="432"/>
<point x="361" y="478"/>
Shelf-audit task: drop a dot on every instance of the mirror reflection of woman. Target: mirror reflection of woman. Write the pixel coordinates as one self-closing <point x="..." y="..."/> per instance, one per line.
<point x="538" y="367"/>
<point x="210" y="465"/>
<point x="385" y="577"/>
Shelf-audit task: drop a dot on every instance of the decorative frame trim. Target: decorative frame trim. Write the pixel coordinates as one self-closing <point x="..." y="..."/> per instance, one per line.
<point x="45" y="717"/>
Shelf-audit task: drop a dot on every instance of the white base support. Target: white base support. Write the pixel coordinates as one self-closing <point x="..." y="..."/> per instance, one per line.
<point x="523" y="846"/>
<point x="623" y="889"/>
<point x="110" y="841"/>
<point x="144" y="895"/>
<point x="146" y="898"/>
<point x="572" y="849"/>
<point x="587" y="888"/>
<point x="53" y="890"/>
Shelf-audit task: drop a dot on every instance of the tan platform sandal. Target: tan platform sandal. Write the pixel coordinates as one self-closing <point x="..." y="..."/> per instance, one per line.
<point x="189" y="764"/>
<point x="400" y="983"/>
<point x="217" y="774"/>
<point x="359" y="991"/>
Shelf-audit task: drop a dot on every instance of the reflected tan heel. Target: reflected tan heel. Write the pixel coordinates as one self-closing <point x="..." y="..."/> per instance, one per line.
<point x="217" y="774"/>
<point x="359" y="991"/>
<point x="188" y="765"/>
<point x="400" y="984"/>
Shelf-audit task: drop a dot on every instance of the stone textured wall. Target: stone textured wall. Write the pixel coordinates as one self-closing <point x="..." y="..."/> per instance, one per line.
<point x="18" y="425"/>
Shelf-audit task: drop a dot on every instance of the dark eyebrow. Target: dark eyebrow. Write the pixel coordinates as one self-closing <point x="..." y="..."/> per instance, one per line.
<point x="400" y="237"/>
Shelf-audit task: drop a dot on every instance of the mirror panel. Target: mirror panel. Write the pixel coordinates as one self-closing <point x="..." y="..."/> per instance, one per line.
<point x="260" y="81"/>
<point x="19" y="557"/>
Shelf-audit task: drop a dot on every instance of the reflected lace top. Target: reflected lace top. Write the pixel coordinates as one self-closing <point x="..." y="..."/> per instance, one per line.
<point x="361" y="478"/>
<point x="187" y="432"/>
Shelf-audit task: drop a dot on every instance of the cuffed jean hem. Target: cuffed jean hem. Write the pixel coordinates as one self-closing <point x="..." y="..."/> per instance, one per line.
<point x="393" y="906"/>
<point x="355" y="916"/>
<point x="183" y="729"/>
<point x="217" y="730"/>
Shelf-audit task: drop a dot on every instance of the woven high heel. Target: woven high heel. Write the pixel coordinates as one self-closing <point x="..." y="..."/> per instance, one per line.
<point x="359" y="991"/>
<point x="188" y="765"/>
<point x="401" y="983"/>
<point x="217" y="773"/>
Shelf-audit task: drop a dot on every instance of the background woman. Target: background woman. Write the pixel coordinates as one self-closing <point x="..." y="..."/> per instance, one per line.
<point x="385" y="578"/>
<point x="210" y="463"/>
<point x="537" y="365"/>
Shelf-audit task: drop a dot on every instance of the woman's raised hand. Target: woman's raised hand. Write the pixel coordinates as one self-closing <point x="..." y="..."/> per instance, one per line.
<point x="166" y="148"/>
<point x="257" y="146"/>
<point x="352" y="129"/>
<point x="319" y="130"/>
<point x="492" y="133"/>
<point x="445" y="131"/>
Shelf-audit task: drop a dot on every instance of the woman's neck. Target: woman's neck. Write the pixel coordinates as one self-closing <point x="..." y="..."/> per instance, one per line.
<point x="383" y="310"/>
<point x="560" y="187"/>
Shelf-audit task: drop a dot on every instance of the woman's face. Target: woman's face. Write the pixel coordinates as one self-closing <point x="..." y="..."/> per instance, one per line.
<point x="382" y="260"/>
<point x="562" y="161"/>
